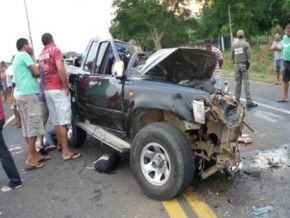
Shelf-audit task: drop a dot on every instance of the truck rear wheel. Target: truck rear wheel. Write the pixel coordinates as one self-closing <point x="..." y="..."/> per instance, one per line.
<point x="162" y="160"/>
<point x="76" y="136"/>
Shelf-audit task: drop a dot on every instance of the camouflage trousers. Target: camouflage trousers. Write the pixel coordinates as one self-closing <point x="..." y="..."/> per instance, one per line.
<point x="242" y="74"/>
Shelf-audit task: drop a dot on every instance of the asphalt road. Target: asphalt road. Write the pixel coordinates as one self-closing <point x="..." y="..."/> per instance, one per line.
<point x="73" y="189"/>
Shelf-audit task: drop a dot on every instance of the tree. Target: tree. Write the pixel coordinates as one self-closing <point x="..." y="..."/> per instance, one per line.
<point x="254" y="17"/>
<point x="157" y="22"/>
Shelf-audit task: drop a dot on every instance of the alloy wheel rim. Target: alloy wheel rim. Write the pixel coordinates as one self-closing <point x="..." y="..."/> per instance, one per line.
<point x="155" y="164"/>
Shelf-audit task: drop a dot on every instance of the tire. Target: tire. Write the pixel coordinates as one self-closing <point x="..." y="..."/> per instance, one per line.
<point x="76" y="135"/>
<point x="164" y="151"/>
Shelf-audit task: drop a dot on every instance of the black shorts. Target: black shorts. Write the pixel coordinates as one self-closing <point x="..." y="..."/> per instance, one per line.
<point x="286" y="74"/>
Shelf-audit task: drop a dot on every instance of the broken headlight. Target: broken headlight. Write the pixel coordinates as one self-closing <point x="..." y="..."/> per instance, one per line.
<point x="198" y="111"/>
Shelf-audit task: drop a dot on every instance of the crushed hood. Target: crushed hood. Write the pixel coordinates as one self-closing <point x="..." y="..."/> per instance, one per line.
<point x="177" y="64"/>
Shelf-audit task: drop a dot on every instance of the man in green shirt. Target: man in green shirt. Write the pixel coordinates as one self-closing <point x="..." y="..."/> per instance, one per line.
<point x="286" y="58"/>
<point x="27" y="89"/>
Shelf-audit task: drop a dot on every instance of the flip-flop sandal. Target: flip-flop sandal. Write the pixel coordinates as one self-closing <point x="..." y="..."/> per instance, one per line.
<point x="8" y="189"/>
<point x="44" y="158"/>
<point x="34" y="167"/>
<point x="72" y="157"/>
<point x="282" y="100"/>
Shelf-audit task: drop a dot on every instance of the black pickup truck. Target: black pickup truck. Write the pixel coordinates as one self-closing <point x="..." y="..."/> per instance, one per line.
<point x="163" y="112"/>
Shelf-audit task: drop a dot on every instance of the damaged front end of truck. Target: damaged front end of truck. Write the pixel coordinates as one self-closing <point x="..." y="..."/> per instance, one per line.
<point x="215" y="143"/>
<point x="216" y="121"/>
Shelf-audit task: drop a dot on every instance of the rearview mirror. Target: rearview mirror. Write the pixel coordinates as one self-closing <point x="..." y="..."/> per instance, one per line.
<point x="118" y="68"/>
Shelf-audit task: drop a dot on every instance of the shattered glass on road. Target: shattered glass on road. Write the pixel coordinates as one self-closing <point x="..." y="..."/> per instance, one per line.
<point x="270" y="158"/>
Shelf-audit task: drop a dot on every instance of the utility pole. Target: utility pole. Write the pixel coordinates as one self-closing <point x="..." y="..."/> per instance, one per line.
<point x="30" y="36"/>
<point x="230" y="23"/>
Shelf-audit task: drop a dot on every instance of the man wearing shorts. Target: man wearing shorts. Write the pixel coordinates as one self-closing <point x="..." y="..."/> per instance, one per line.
<point x="277" y="47"/>
<point x="56" y="90"/>
<point x="26" y="91"/>
<point x="286" y="58"/>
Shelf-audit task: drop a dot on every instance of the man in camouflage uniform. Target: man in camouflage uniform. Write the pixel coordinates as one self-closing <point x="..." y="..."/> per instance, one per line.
<point x="241" y="55"/>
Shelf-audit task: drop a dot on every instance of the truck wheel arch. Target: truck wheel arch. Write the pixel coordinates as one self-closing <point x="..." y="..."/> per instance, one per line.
<point x="144" y="116"/>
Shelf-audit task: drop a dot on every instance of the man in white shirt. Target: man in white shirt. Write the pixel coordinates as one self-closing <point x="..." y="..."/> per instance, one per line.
<point x="277" y="47"/>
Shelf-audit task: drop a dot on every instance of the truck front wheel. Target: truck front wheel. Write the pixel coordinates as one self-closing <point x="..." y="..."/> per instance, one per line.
<point x="162" y="160"/>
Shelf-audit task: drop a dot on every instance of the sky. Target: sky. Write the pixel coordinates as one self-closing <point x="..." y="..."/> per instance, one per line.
<point x="71" y="22"/>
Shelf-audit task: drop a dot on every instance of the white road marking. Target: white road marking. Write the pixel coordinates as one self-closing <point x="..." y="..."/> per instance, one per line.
<point x="270" y="107"/>
<point x="9" y="120"/>
<point x="268" y="116"/>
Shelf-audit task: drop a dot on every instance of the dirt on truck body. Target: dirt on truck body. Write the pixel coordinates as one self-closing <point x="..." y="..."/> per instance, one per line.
<point x="163" y="111"/>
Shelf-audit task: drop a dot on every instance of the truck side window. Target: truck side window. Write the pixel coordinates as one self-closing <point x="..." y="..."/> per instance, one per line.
<point x="108" y="61"/>
<point x="100" y="57"/>
<point x="91" y="57"/>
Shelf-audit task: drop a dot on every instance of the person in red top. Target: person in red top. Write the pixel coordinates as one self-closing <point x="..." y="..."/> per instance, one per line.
<point x="6" y="159"/>
<point x="56" y="90"/>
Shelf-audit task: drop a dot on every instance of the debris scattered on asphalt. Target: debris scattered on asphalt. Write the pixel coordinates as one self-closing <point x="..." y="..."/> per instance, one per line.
<point x="263" y="210"/>
<point x="253" y="172"/>
<point x="274" y="162"/>
<point x="245" y="139"/>
<point x="271" y="158"/>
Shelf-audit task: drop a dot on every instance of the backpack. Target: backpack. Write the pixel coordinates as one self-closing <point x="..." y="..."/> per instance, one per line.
<point x="107" y="162"/>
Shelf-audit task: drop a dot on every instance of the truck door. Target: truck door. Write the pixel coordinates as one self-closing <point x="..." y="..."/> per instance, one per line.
<point x="104" y="96"/>
<point x="82" y="78"/>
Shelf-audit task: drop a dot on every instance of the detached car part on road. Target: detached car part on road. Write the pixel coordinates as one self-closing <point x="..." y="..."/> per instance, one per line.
<point x="164" y="112"/>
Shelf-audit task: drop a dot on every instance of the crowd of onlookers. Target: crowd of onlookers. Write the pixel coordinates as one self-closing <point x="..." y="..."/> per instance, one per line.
<point x="36" y="92"/>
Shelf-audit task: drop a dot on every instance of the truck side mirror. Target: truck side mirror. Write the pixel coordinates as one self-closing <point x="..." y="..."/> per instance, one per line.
<point x="78" y="61"/>
<point x="118" y="68"/>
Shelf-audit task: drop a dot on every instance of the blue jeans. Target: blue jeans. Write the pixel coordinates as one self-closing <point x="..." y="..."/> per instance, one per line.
<point x="8" y="162"/>
<point x="51" y="138"/>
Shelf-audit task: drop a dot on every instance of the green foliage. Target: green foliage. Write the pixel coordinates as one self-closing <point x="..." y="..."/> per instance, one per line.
<point x="254" y="17"/>
<point x="259" y="40"/>
<point x="152" y="22"/>
<point x="277" y="29"/>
